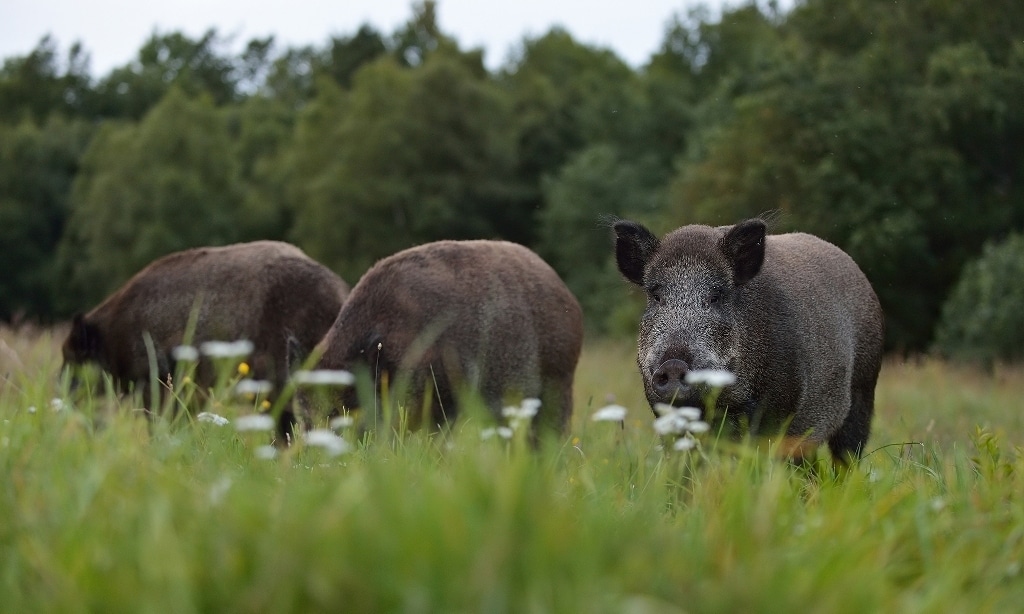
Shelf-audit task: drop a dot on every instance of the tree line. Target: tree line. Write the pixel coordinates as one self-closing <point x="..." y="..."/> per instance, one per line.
<point x="894" y="130"/>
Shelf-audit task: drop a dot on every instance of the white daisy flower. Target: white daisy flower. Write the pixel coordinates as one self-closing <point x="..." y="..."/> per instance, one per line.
<point x="685" y="443"/>
<point x="690" y="413"/>
<point x="609" y="413"/>
<point x="324" y="377"/>
<point x="342" y="422"/>
<point x="212" y="418"/>
<point x="524" y="411"/>
<point x="255" y="422"/>
<point x="253" y="386"/>
<point x="185" y="353"/>
<point x="219" y="489"/>
<point x="698" y="426"/>
<point x="670" y="424"/>
<point x="663" y="409"/>
<point x="267" y="452"/>
<point x="716" y="378"/>
<point x="328" y="440"/>
<point x="226" y="349"/>
<point x="501" y="431"/>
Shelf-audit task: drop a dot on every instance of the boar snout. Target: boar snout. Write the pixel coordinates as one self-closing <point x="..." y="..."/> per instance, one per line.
<point x="669" y="380"/>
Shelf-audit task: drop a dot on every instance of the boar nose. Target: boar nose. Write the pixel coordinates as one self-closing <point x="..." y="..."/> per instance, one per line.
<point x="668" y="378"/>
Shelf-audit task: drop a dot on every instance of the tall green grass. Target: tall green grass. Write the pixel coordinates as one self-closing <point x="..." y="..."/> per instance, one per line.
<point x="103" y="510"/>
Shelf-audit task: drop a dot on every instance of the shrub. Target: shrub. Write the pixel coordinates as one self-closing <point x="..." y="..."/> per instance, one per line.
<point x="983" y="318"/>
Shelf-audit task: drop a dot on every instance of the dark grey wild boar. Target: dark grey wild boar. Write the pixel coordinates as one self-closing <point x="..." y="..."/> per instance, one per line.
<point x="791" y="315"/>
<point x="267" y="292"/>
<point x="487" y="316"/>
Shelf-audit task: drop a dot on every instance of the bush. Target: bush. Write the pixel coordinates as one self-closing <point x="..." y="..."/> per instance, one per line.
<point x="983" y="318"/>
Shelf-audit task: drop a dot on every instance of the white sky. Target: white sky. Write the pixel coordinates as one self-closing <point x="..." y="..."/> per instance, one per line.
<point x="112" y="31"/>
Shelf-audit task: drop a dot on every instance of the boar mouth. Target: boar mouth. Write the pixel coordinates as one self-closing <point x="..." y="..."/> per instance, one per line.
<point x="685" y="396"/>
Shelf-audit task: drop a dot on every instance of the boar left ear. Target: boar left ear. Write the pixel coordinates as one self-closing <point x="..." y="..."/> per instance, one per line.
<point x="743" y="246"/>
<point x="634" y="245"/>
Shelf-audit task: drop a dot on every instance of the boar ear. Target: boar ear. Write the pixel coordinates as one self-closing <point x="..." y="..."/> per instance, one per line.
<point x="743" y="245"/>
<point x="634" y="245"/>
<point x="85" y="338"/>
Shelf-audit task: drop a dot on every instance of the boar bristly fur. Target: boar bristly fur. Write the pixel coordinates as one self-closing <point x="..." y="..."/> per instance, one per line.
<point x="267" y="292"/>
<point x="489" y="317"/>
<point x="791" y="316"/>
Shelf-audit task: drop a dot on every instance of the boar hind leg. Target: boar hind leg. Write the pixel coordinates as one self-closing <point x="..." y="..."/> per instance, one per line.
<point x="848" y="442"/>
<point x="555" y="407"/>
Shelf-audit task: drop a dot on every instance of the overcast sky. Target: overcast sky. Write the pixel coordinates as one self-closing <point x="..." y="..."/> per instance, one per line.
<point x="112" y="31"/>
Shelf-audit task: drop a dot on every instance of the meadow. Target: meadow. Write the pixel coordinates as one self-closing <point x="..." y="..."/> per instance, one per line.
<point x="103" y="510"/>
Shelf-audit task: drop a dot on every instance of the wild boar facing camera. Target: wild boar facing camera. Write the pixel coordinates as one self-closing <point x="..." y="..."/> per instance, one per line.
<point x="791" y="316"/>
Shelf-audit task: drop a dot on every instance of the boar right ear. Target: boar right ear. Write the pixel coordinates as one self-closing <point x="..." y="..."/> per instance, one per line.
<point x="743" y="245"/>
<point x="634" y="246"/>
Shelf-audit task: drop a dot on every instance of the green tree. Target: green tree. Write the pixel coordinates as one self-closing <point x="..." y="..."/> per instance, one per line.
<point x="421" y="36"/>
<point x="146" y="190"/>
<point x="253" y="66"/>
<point x="700" y="68"/>
<point x="594" y="186"/>
<point x="567" y="96"/>
<point x="37" y="165"/>
<point x="982" y="320"/>
<point x="814" y="150"/>
<point x="347" y="54"/>
<point x="291" y="77"/>
<point x="882" y="139"/>
<point x="261" y="131"/>
<point x="670" y="97"/>
<point x="39" y="84"/>
<point x="195" y="66"/>
<point x="973" y="102"/>
<point x="410" y="155"/>
<point x="724" y="56"/>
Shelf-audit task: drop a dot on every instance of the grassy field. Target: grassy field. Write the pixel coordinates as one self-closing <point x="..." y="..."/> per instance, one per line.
<point x="104" y="511"/>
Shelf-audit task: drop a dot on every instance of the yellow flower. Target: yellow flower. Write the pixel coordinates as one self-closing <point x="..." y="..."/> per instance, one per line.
<point x="265" y="404"/>
<point x="575" y="441"/>
<point x="186" y="380"/>
<point x="243" y="368"/>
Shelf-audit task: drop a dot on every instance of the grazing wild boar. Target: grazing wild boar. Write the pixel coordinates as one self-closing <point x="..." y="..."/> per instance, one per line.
<point x="791" y="316"/>
<point x="484" y="316"/>
<point x="267" y="292"/>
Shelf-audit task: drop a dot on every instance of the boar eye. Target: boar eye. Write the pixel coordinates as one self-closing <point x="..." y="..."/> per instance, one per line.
<point x="712" y="298"/>
<point x="654" y="291"/>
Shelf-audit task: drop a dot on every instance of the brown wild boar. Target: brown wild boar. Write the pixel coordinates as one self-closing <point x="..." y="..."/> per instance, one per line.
<point x="791" y="316"/>
<point x="267" y="292"/>
<point x="445" y="317"/>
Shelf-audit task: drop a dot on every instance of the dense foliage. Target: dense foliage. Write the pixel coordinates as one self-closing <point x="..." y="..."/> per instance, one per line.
<point x="982" y="321"/>
<point x="892" y="130"/>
